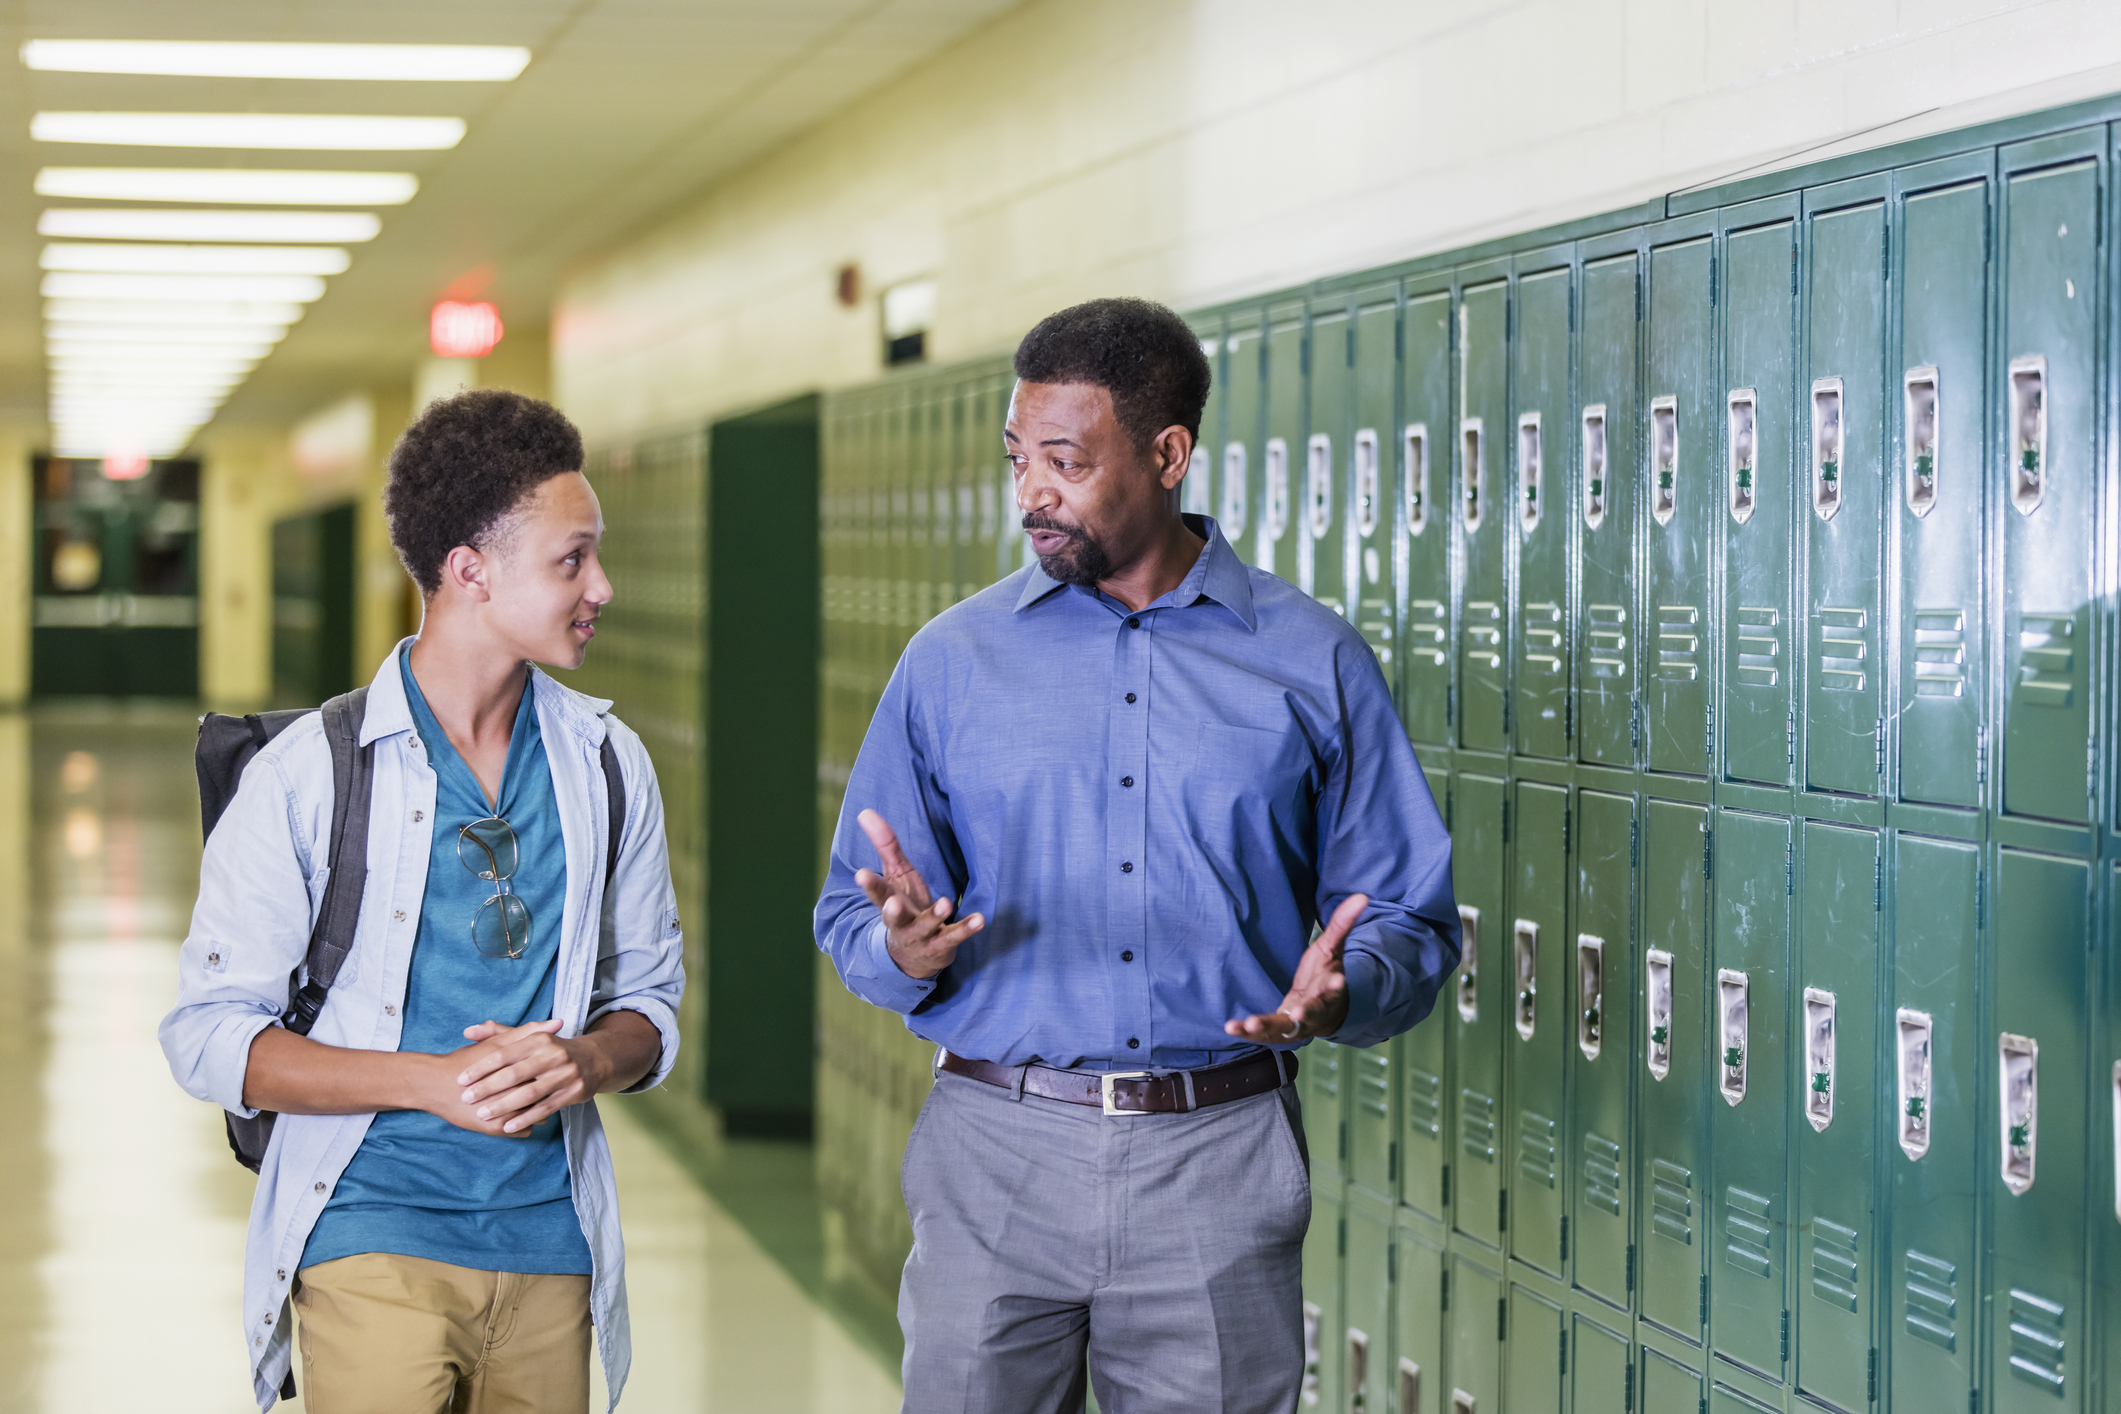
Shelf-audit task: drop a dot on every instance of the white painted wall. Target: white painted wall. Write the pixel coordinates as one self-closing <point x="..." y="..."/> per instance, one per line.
<point x="1197" y="151"/>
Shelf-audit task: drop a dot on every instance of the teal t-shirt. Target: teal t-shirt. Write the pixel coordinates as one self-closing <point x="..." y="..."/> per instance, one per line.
<point x="419" y="1186"/>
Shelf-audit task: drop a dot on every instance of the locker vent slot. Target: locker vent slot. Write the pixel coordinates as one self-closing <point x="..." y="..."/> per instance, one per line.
<point x="1920" y="421"/>
<point x="1366" y="484"/>
<point x="1834" y="1264"/>
<point x="1606" y="633"/>
<point x="1759" y="646"/>
<point x="1475" y="471"/>
<point x="1933" y="1300"/>
<point x="1843" y="648"/>
<point x="1827" y="447"/>
<point x="1373" y="1083"/>
<point x="1468" y="964"/>
<point x="2047" y="659"/>
<point x="1528" y="469"/>
<point x="1911" y="1045"/>
<point x="1236" y="494"/>
<point x="2020" y="1065"/>
<point x="1664" y="457"/>
<point x="1601" y="1173"/>
<point x="1484" y="624"/>
<point x="1476" y="1125"/>
<point x="1741" y="446"/>
<point x="1747" y="1228"/>
<point x="1426" y="631"/>
<point x="1594" y="465"/>
<point x="1678" y="642"/>
<point x="1424" y="1103"/>
<point x="1672" y="1201"/>
<point x="1542" y="639"/>
<point x="1535" y="1148"/>
<point x="1940" y="653"/>
<point x="1276" y="520"/>
<point x="2037" y="1352"/>
<point x="1318" y="485"/>
<point x="2028" y="433"/>
<point x="1417" y="454"/>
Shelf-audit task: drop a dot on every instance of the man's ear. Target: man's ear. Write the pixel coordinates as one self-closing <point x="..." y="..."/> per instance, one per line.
<point x="464" y="570"/>
<point x="1171" y="453"/>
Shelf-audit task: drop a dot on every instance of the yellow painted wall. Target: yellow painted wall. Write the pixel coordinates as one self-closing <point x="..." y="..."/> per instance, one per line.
<point x="16" y="530"/>
<point x="248" y="482"/>
<point x="1193" y="152"/>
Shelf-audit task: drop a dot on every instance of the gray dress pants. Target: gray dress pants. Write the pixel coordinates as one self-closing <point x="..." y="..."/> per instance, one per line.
<point x="1166" y="1248"/>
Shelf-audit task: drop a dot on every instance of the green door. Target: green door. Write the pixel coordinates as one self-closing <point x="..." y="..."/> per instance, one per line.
<point x="1481" y="441"/>
<point x="1934" y="1051"/>
<point x="2047" y="410"/>
<point x="1372" y="520"/>
<point x="1842" y="468"/>
<point x="1608" y="639"/>
<point x="1366" y="1340"/>
<point x="1748" y="1128"/>
<point x="1238" y="464"/>
<point x="1600" y="1374"/>
<point x="1424" y="1157"/>
<point x="1199" y="494"/>
<point x="1323" y="465"/>
<point x="1532" y="951"/>
<point x="1478" y="1006"/>
<point x="1937" y="482"/>
<point x="1322" y="1084"/>
<point x="1540" y="438"/>
<point x="2035" y="1153"/>
<point x="1426" y="435"/>
<point x="1281" y="532"/>
<point x="1833" y="1026"/>
<point x="1681" y="430"/>
<point x="1602" y="986"/>
<point x="1755" y="490"/>
<point x="1325" y="1249"/>
<point x="1418" y="1318"/>
<point x="1671" y="1148"/>
<point x="1533" y="1372"/>
<point x="1476" y="1318"/>
<point x="1669" y="1387"/>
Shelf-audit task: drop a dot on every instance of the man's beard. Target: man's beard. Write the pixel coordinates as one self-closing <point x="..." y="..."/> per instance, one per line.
<point x="1081" y="561"/>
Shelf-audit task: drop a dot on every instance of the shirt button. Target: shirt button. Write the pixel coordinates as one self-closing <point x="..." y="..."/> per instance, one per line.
<point x="1134" y="623"/>
<point x="1130" y="697"/>
<point x="418" y="816"/>
<point x="320" y="1188"/>
<point x="268" y="1320"/>
<point x="397" y="915"/>
<point x="282" y="1274"/>
<point x="1133" y="1044"/>
<point x="1126" y="780"/>
<point x="1127" y="956"/>
<point x="213" y="959"/>
<point x="390" y="1008"/>
<point x="1127" y="868"/>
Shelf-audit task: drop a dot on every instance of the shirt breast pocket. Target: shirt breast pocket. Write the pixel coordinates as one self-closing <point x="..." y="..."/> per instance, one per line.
<point x="1238" y="777"/>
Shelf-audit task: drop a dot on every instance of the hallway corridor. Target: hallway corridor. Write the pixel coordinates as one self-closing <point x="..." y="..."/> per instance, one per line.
<point x="121" y="1211"/>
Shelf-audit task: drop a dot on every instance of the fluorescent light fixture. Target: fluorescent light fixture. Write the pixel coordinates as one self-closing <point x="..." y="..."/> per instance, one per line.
<point x="171" y="370"/>
<point x="172" y="343"/>
<point x="163" y="259"/>
<point x="229" y="185"/>
<point x="248" y="314"/>
<point x="69" y="285"/>
<point x="447" y="63"/>
<point x="309" y="132"/>
<point x="89" y="223"/>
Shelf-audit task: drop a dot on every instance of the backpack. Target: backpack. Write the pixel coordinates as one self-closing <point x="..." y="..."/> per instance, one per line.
<point x="226" y="746"/>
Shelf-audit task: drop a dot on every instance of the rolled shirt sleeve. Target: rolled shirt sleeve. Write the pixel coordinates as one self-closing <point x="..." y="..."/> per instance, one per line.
<point x="641" y="944"/>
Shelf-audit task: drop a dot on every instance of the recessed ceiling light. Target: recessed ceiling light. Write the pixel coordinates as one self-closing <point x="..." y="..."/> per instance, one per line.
<point x="199" y="314"/>
<point x="122" y="224"/>
<point x="69" y="285"/>
<point x="235" y="186"/>
<point x="320" y="132"/>
<point x="452" y="63"/>
<point x="196" y="259"/>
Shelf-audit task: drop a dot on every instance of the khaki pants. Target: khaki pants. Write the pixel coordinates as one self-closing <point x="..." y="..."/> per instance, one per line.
<point x="383" y="1334"/>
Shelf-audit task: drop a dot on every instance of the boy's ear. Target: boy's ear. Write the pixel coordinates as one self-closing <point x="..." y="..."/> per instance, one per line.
<point x="464" y="569"/>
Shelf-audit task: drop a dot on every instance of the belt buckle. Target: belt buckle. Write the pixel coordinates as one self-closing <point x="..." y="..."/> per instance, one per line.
<point x="1109" y="1077"/>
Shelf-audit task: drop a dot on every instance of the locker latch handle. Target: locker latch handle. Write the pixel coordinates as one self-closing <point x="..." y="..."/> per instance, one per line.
<point x="1920" y="416"/>
<point x="1664" y="457"/>
<point x="1235" y="491"/>
<point x="1590" y="994"/>
<point x="1469" y="964"/>
<point x="1358" y="1371"/>
<point x="1594" y="465"/>
<point x="2019" y="1060"/>
<point x="1657" y="982"/>
<point x="1526" y="949"/>
<point x="1277" y="508"/>
<point x="1318" y="485"/>
<point x="1819" y="1058"/>
<point x="1528" y="471"/>
<point x="1417" y="452"/>
<point x="2028" y="379"/>
<point x="1469" y="435"/>
<point x="1461" y="1402"/>
<point x="1829" y="441"/>
<point x="1733" y="1027"/>
<point x="1742" y="447"/>
<point x="1409" y="1386"/>
<point x="1314" y="1362"/>
<point x="1912" y="1030"/>
<point x="1366" y="482"/>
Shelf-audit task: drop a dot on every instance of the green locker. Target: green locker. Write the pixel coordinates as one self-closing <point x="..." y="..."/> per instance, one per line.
<point x="1756" y="490"/>
<point x="1607" y="639"/>
<point x="1669" y="1387"/>
<point x="1322" y="1085"/>
<point x="1476" y="1317"/>
<point x="1602" y="1028"/>
<point x="1425" y="460"/>
<point x="1281" y="534"/>
<point x="1937" y="478"/>
<point x="2106" y="1126"/>
<point x="993" y="483"/>
<point x="1670" y="1147"/>
<point x="1485" y="518"/>
<point x="1532" y="952"/>
<point x="1372" y="521"/>
<point x="1533" y="1372"/>
<point x="1479" y="1007"/>
<point x="1933" y="1051"/>
<point x="1237" y="479"/>
<point x="933" y="498"/>
<point x="1681" y="431"/>
<point x="2046" y="411"/>
<point x="1833" y="1026"/>
<point x="1540" y="438"/>
<point x="1600" y="1373"/>
<point x="1316" y="464"/>
<point x="1198" y="497"/>
<point x="1424" y="1156"/>
<point x="2035" y="1149"/>
<point x="1748" y="1127"/>
<point x="1325" y="1248"/>
<point x="1418" y="1319"/>
<point x="1366" y="1340"/>
<point x="1373" y="1118"/>
<point x="1842" y="476"/>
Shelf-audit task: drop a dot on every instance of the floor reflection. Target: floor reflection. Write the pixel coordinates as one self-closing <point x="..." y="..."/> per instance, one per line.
<point x="121" y="1210"/>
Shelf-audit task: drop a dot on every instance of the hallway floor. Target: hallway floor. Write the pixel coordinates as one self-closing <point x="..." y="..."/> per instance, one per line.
<point x="121" y="1211"/>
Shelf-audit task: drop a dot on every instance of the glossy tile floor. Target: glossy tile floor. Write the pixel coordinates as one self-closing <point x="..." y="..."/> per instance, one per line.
<point x="121" y="1211"/>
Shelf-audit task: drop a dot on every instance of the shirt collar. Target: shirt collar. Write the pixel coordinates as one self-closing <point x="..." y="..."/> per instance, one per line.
<point x="387" y="711"/>
<point x="1217" y="575"/>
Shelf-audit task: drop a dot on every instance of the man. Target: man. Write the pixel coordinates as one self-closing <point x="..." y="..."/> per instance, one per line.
<point x="437" y="1200"/>
<point x="1137" y="774"/>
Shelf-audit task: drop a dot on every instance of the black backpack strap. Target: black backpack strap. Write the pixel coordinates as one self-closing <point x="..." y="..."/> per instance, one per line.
<point x="352" y="772"/>
<point x="615" y="791"/>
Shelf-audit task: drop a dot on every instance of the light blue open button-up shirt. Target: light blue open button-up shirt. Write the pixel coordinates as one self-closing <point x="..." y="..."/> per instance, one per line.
<point x="1152" y="810"/>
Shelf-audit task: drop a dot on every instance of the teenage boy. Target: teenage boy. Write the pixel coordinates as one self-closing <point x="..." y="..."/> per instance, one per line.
<point x="437" y="1202"/>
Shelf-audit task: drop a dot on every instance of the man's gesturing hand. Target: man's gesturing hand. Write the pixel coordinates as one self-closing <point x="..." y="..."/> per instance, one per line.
<point x="919" y="933"/>
<point x="1318" y="999"/>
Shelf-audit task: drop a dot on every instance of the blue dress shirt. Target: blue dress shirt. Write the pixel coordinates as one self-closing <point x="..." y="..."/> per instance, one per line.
<point x="1152" y="810"/>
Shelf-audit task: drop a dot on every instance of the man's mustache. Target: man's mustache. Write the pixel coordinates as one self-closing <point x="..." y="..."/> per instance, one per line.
<point x="1039" y="521"/>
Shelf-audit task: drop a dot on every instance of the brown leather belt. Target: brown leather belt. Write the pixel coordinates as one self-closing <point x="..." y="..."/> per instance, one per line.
<point x="1132" y="1092"/>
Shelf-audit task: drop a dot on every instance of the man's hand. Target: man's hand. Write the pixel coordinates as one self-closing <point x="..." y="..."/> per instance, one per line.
<point x="919" y="934"/>
<point x="1318" y="998"/>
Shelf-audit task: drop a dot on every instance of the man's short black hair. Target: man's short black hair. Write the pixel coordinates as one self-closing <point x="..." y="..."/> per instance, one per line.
<point x="1139" y="351"/>
<point x="463" y="465"/>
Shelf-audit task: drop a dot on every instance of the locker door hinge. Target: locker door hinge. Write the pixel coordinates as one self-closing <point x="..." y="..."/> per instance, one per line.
<point x="1627" y="1399"/>
<point x="1564" y="1238"/>
<point x="1344" y="1144"/>
<point x="1789" y="870"/>
<point x="1631" y="1266"/>
<point x="1572" y="309"/>
<point x="1981" y="757"/>
<point x="1871" y="1382"/>
<point x="1502" y="1318"/>
<point x="1635" y="727"/>
<point x="1505" y="819"/>
<point x="1450" y="704"/>
<point x="1508" y="715"/>
<point x="1878" y="742"/>
<point x="1980" y="897"/>
<point x="1789" y="736"/>
<point x="1704" y="1298"/>
<point x="1343" y="1237"/>
<point x="1785" y="1336"/>
<point x="1708" y="735"/>
<point x="1446" y="1185"/>
<point x="1392" y="1262"/>
<point x="1447" y="802"/>
<point x="1509" y="318"/>
<point x="1568" y="717"/>
<point x="1878" y="884"/>
<point x="1708" y="854"/>
<point x="1502" y="1210"/>
<point x="1392" y="1162"/>
<point x="1443" y="1302"/>
<point x="1712" y="282"/>
<point x="1564" y="1353"/>
<point x="1565" y="812"/>
<point x="1634" y="852"/>
<point x="1793" y="270"/>
<point x="1885" y="253"/>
